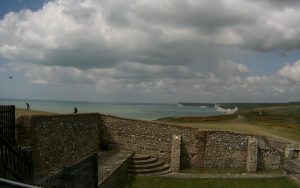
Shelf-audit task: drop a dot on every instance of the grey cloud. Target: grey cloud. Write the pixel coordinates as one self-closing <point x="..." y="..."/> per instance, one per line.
<point x="83" y="56"/>
<point x="81" y="14"/>
<point x="278" y="3"/>
<point x="208" y="16"/>
<point x="95" y="34"/>
<point x="141" y="47"/>
<point x="155" y="82"/>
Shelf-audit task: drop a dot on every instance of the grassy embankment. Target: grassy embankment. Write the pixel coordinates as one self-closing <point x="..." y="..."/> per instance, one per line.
<point x="165" y="182"/>
<point x="271" y="120"/>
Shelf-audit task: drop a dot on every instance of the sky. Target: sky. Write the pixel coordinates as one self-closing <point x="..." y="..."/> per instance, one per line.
<point x="164" y="51"/>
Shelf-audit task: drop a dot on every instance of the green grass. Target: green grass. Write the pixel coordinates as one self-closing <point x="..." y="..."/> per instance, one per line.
<point x="277" y="121"/>
<point x="286" y="110"/>
<point x="166" y="182"/>
<point x="228" y="171"/>
<point x="197" y="119"/>
<point x="215" y="170"/>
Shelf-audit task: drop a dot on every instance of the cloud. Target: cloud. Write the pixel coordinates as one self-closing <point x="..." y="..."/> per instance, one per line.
<point x="90" y="34"/>
<point x="292" y="72"/>
<point x="158" y="50"/>
<point x="228" y="67"/>
<point x="138" y="82"/>
<point x="276" y="30"/>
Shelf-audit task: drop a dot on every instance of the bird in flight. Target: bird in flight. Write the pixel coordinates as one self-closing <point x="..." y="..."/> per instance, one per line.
<point x="10" y="77"/>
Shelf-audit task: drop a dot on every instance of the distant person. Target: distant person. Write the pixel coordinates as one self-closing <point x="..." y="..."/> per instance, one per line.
<point x="27" y="106"/>
<point x="75" y="110"/>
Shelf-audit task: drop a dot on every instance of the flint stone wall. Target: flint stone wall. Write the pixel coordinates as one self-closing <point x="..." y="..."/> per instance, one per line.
<point x="269" y="157"/>
<point x="225" y="149"/>
<point x="58" y="140"/>
<point x="148" y="137"/>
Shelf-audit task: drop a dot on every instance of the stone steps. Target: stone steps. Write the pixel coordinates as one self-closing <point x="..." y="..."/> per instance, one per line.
<point x="145" y="164"/>
<point x="162" y="168"/>
<point x="140" y="157"/>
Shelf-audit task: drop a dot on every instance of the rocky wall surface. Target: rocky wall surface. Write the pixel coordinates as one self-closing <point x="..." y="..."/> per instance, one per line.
<point x="268" y="157"/>
<point x="148" y="137"/>
<point x="58" y="140"/>
<point x="225" y="149"/>
<point x="175" y="153"/>
<point x="251" y="164"/>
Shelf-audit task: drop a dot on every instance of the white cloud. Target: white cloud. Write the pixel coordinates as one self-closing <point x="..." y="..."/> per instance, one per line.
<point x="91" y="34"/>
<point x="291" y="72"/>
<point x="229" y="67"/>
<point x="163" y="50"/>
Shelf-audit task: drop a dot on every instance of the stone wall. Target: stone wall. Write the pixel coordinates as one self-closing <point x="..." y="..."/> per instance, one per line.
<point x="252" y="155"/>
<point x="61" y="139"/>
<point x="225" y="149"/>
<point x="175" y="153"/>
<point x="58" y="140"/>
<point x="268" y="156"/>
<point x="117" y="167"/>
<point x="148" y="137"/>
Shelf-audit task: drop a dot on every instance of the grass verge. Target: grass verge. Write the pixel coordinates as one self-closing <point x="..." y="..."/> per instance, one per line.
<point x="228" y="171"/>
<point x="166" y="182"/>
<point x="215" y="170"/>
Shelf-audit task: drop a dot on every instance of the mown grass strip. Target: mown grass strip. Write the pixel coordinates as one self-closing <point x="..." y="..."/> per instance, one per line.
<point x="166" y="182"/>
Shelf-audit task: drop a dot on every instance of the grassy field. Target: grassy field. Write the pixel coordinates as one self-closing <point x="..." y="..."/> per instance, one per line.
<point x="165" y="182"/>
<point x="277" y="122"/>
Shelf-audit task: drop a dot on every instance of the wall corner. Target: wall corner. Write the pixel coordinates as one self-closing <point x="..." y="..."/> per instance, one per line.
<point x="175" y="153"/>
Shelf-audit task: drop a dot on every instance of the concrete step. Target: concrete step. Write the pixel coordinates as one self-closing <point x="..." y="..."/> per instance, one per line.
<point x="143" y="161"/>
<point x="158" y="173"/>
<point x="138" y="157"/>
<point x="154" y="173"/>
<point x="165" y="167"/>
<point x="146" y="166"/>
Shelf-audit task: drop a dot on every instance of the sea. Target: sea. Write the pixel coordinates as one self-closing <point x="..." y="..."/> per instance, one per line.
<point x="143" y="111"/>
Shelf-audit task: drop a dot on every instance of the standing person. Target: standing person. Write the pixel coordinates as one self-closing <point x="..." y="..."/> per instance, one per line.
<point x="75" y="110"/>
<point x="27" y="106"/>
